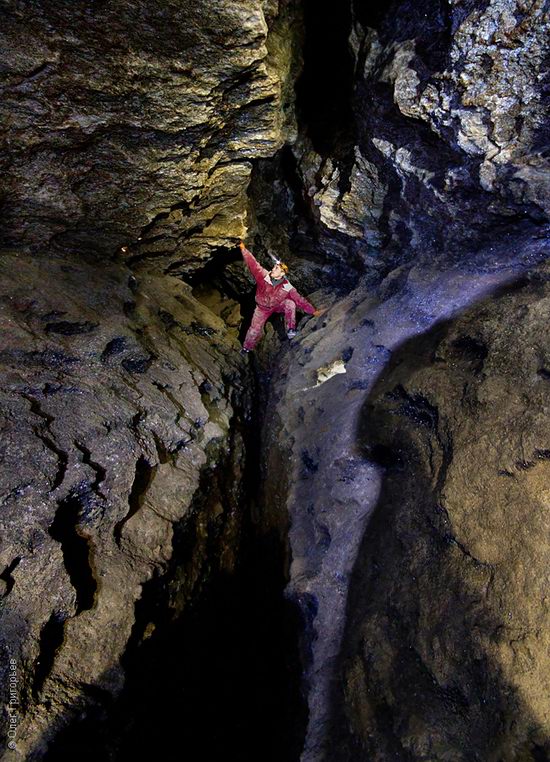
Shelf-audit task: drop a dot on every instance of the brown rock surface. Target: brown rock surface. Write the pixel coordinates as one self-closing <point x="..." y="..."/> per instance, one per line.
<point x="447" y="639"/>
<point x="136" y="125"/>
<point x="334" y="482"/>
<point x="405" y="180"/>
<point x="115" y="397"/>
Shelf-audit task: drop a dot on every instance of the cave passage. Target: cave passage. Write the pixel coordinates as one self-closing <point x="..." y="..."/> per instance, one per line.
<point x="295" y="554"/>
<point x="222" y="680"/>
<point x="324" y="89"/>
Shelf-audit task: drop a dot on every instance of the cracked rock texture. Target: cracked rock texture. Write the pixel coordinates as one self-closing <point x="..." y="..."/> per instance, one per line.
<point x="136" y="125"/>
<point x="404" y="460"/>
<point x="115" y="397"/>
<point x="432" y="181"/>
<point x="449" y="136"/>
<point x="132" y="135"/>
<point x="428" y="582"/>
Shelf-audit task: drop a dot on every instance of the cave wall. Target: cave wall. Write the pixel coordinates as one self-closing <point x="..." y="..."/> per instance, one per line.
<point x="446" y="650"/>
<point x="422" y="133"/>
<point x="438" y="186"/>
<point x="321" y="385"/>
<point x="115" y="399"/>
<point x="136" y="125"/>
<point x="404" y="179"/>
<point x="448" y="146"/>
<point x="122" y="386"/>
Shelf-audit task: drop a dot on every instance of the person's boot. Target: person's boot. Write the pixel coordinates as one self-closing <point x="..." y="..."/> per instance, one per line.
<point x="244" y="351"/>
<point x="291" y="333"/>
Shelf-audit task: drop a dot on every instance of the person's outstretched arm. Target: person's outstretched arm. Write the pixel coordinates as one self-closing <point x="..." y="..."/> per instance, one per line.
<point x="302" y="303"/>
<point x="258" y="272"/>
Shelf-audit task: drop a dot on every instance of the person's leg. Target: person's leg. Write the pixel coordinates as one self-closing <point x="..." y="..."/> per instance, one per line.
<point x="289" y="308"/>
<point x="256" y="327"/>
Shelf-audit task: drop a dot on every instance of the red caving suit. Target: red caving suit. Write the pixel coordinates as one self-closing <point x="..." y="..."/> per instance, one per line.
<point x="269" y="299"/>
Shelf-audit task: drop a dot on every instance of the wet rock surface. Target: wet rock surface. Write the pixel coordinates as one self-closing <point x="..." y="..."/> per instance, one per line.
<point x="445" y="145"/>
<point x="439" y="220"/>
<point x="335" y="482"/>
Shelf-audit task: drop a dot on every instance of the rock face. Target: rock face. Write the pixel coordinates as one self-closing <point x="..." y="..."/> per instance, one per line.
<point x="439" y="187"/>
<point x="447" y="635"/>
<point x="133" y="132"/>
<point x="449" y="141"/>
<point x="136" y="126"/>
<point x="335" y="483"/>
<point x="116" y="396"/>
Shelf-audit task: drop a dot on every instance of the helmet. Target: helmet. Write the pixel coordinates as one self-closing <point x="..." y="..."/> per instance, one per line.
<point x="277" y="261"/>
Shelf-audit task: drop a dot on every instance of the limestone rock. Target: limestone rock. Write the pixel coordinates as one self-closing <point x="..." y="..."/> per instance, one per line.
<point x="165" y="132"/>
<point x="455" y="100"/>
<point x="355" y="212"/>
<point x="334" y="483"/>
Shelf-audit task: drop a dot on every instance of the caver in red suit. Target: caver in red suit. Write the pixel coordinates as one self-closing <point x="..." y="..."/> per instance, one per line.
<point x="270" y="298"/>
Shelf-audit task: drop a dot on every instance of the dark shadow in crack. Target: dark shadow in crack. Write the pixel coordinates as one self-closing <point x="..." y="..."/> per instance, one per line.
<point x="219" y="682"/>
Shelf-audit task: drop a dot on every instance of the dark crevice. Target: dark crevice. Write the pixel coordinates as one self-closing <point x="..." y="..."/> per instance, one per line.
<point x="45" y="66"/>
<point x="287" y="224"/>
<point x="325" y="86"/>
<point x="291" y="175"/>
<point x="75" y="546"/>
<point x="215" y="642"/>
<point x="371" y="14"/>
<point x="164" y="455"/>
<point x="67" y="328"/>
<point x="213" y="272"/>
<point x="114" y="347"/>
<point x="144" y="475"/>
<point x="416" y="407"/>
<point x="101" y="473"/>
<point x="430" y="27"/>
<point x="6" y="575"/>
<point x="146" y="229"/>
<point x="51" y="638"/>
<point x="472" y="350"/>
<point x="49" y="440"/>
<point x="540" y="754"/>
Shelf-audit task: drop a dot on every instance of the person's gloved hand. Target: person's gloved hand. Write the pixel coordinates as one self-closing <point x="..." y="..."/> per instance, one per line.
<point x="242" y="246"/>
<point x="319" y="312"/>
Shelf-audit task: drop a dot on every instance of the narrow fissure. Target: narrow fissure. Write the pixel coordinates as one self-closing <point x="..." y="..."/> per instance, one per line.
<point x="324" y="89"/>
<point x="213" y="664"/>
<point x="7" y="576"/>
<point x="76" y="550"/>
<point x="324" y="593"/>
<point x="143" y="477"/>
<point x="51" y="637"/>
